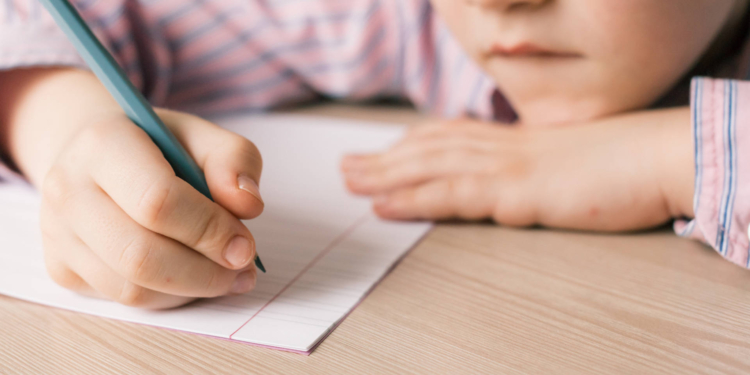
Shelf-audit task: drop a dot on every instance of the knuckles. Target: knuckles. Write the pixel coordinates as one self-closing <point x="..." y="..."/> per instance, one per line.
<point x="99" y="134"/>
<point x="137" y="262"/>
<point x="518" y="168"/>
<point x="61" y="274"/>
<point x="88" y="143"/>
<point x="513" y="209"/>
<point x="132" y="295"/>
<point x="214" y="232"/>
<point x="153" y="202"/>
<point x="245" y="149"/>
<point x="217" y="284"/>
<point x="93" y="138"/>
<point x="55" y="187"/>
<point x="466" y="188"/>
<point x="139" y="265"/>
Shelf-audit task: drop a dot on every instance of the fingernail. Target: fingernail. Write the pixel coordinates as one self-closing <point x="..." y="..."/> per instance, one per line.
<point x="244" y="282"/>
<point x="238" y="252"/>
<point x="249" y="185"/>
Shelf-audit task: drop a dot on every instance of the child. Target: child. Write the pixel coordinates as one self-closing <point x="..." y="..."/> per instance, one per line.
<point x="574" y="78"/>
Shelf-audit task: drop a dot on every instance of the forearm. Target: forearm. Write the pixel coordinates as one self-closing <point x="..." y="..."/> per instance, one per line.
<point x="41" y="109"/>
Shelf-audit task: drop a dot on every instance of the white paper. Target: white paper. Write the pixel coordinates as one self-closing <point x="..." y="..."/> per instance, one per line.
<point x="323" y="248"/>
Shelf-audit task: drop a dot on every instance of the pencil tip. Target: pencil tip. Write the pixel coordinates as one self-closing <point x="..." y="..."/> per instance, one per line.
<point x="259" y="264"/>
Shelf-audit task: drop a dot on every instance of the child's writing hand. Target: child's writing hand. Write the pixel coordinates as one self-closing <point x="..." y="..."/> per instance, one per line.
<point x="117" y="222"/>
<point x="626" y="172"/>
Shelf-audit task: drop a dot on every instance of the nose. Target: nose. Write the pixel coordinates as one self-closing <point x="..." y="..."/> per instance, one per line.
<point x="506" y="4"/>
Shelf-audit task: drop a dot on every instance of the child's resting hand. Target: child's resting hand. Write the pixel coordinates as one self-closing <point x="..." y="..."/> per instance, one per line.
<point x="117" y="222"/>
<point x="621" y="173"/>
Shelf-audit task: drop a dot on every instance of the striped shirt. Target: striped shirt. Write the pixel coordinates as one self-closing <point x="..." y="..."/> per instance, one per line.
<point x="212" y="57"/>
<point x="225" y="56"/>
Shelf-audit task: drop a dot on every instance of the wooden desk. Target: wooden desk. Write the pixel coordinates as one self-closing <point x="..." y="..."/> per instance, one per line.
<point x="471" y="298"/>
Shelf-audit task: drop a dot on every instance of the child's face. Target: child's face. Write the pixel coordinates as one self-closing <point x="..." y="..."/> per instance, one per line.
<point x="567" y="60"/>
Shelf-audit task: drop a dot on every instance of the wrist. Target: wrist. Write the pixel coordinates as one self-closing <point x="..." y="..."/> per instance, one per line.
<point x="44" y="109"/>
<point x="675" y="161"/>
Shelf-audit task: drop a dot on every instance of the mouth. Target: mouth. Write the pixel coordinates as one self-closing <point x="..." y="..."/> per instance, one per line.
<point x="528" y="50"/>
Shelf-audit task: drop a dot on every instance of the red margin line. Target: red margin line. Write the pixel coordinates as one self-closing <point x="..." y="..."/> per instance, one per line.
<point x="325" y="251"/>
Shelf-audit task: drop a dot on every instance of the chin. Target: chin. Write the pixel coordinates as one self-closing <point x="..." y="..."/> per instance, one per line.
<point x="555" y="111"/>
<point x="563" y="94"/>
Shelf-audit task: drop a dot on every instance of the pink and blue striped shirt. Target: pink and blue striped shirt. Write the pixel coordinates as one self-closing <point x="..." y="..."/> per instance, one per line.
<point x="224" y="56"/>
<point x="213" y="57"/>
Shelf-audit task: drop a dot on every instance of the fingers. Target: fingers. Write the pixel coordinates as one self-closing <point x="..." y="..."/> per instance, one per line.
<point x="72" y="265"/>
<point x="65" y="277"/>
<point x="464" y="197"/>
<point x="375" y="174"/>
<point x="145" y="187"/>
<point x="466" y="127"/>
<point x="231" y="163"/>
<point x="99" y="281"/>
<point x="135" y="233"/>
<point x="410" y="148"/>
<point x="453" y="151"/>
<point x="420" y="160"/>
<point x="140" y="256"/>
<point x="446" y="149"/>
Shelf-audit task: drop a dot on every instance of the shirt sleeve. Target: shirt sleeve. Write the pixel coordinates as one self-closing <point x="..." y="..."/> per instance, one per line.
<point x="433" y="71"/>
<point x="721" y="135"/>
<point x="29" y="37"/>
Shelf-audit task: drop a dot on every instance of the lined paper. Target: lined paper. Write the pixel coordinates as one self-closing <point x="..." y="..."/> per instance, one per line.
<point x="323" y="248"/>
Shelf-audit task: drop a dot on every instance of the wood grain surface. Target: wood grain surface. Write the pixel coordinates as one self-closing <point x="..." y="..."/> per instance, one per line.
<point x="470" y="298"/>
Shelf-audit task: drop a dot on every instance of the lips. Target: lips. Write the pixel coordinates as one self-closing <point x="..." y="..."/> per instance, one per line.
<point x="527" y="50"/>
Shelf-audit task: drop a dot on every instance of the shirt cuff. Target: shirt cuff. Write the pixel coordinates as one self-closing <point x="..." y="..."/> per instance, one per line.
<point x="721" y="135"/>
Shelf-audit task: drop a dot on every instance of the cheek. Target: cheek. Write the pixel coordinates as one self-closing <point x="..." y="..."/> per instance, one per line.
<point x="645" y="46"/>
<point x="669" y="26"/>
<point x="457" y="15"/>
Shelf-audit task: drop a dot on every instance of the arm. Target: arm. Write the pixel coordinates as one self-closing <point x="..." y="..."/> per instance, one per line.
<point x="624" y="172"/>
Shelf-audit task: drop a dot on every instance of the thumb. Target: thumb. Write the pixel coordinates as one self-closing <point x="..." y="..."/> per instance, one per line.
<point x="231" y="163"/>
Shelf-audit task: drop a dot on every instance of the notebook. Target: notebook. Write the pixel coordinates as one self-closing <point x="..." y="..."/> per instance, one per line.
<point x="323" y="247"/>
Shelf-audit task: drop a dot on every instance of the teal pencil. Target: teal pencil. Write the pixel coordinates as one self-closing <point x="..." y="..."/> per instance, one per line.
<point x="132" y="102"/>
